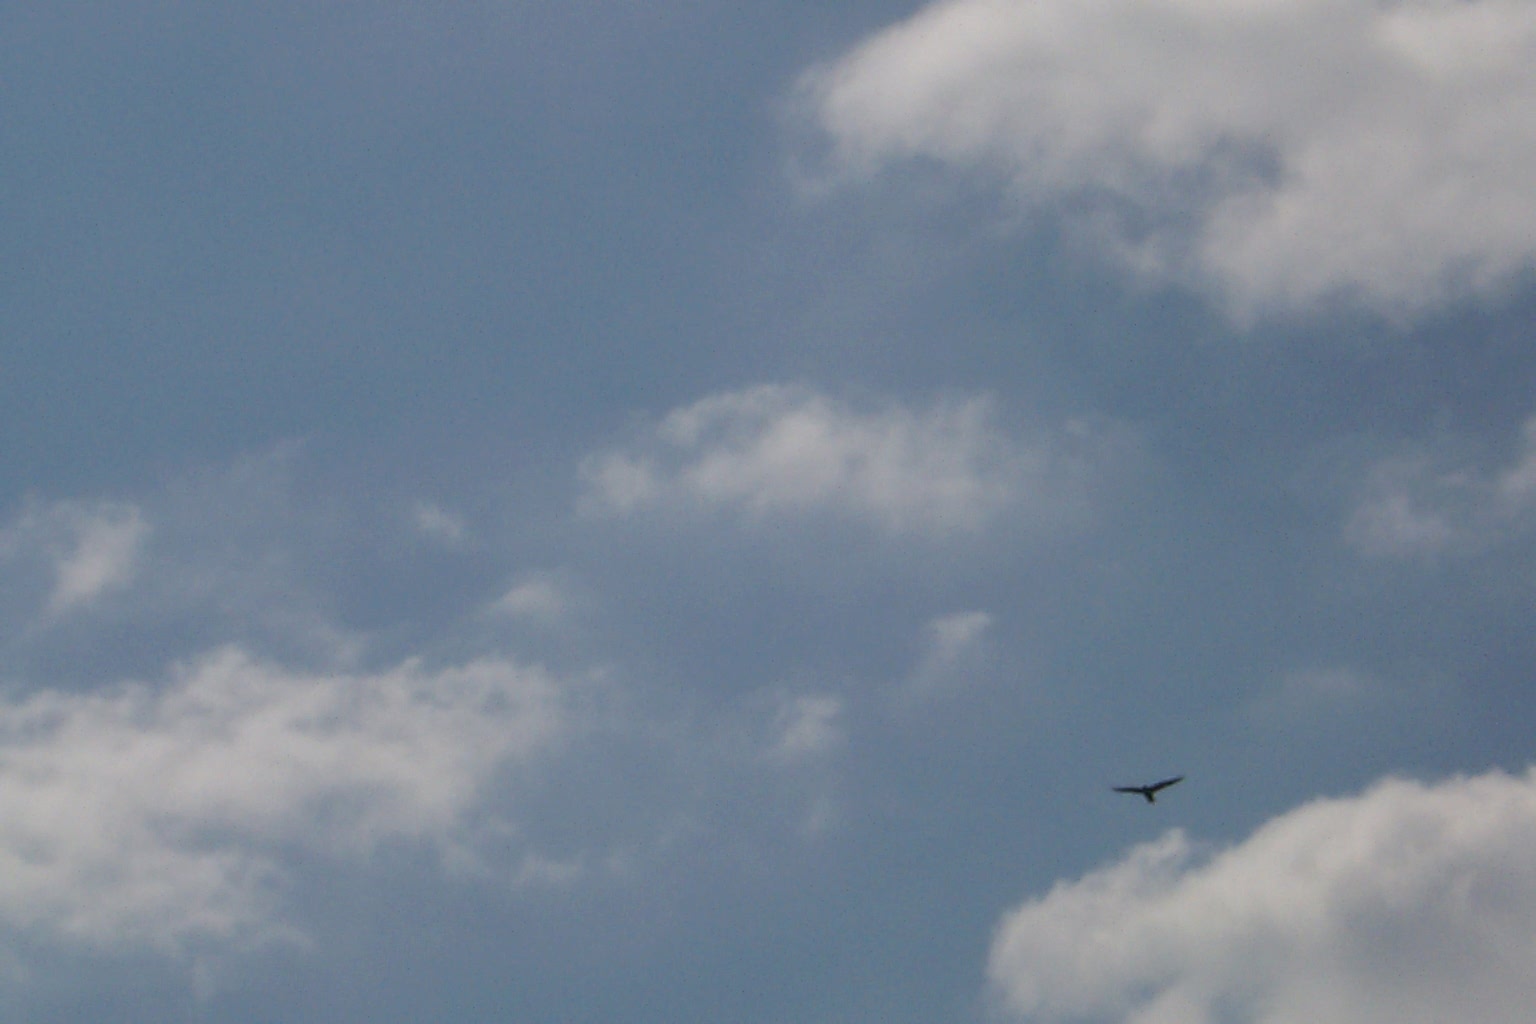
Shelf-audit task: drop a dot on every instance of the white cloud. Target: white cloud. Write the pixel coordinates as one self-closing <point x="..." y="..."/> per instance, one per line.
<point x="537" y="596"/>
<point x="1515" y="486"/>
<point x="775" y="451"/>
<point x="1328" y="692"/>
<point x="1396" y="517"/>
<point x="799" y="736"/>
<point x="1282" y="153"/>
<point x="158" y="815"/>
<point x="103" y="558"/>
<point x="954" y="634"/>
<point x="807" y="726"/>
<point x="438" y="523"/>
<point x="1426" y="503"/>
<point x="90" y="549"/>
<point x="954" y="652"/>
<point x="1408" y="904"/>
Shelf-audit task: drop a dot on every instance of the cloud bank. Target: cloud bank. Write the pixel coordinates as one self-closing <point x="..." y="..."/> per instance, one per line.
<point x="1408" y="904"/>
<point x="1281" y="154"/>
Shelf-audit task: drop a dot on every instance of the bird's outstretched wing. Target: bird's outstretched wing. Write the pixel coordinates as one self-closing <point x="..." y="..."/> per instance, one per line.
<point x="1149" y="791"/>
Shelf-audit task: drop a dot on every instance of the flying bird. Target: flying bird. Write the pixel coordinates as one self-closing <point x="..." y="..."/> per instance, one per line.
<point x="1150" y="791"/>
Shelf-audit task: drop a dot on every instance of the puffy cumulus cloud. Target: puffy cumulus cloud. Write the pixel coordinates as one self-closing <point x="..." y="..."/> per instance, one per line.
<point x="1428" y="502"/>
<point x="1408" y="904"/>
<point x="784" y="451"/>
<point x="1282" y="153"/>
<point x="89" y="548"/>
<point x="160" y="815"/>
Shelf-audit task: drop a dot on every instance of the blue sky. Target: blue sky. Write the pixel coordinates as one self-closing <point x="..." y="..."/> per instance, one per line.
<point x="654" y="512"/>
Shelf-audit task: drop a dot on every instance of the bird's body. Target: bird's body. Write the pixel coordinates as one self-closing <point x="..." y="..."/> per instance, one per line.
<point x="1150" y="792"/>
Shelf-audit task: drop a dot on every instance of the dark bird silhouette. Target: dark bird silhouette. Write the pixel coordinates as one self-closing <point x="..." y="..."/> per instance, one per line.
<point x="1150" y="791"/>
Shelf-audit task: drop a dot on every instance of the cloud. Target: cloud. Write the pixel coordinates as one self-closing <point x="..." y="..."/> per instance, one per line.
<point x="1425" y="502"/>
<point x="801" y="737"/>
<point x="1282" y="154"/>
<point x="774" y="451"/>
<point x="1409" y="903"/>
<point x="159" y="816"/>
<point x="536" y="596"/>
<point x="806" y="726"/>
<point x="438" y="523"/>
<point x="90" y="549"/>
<point x="1329" y="692"/>
<point x="954" y="652"/>
<point x="106" y="548"/>
<point x="955" y="634"/>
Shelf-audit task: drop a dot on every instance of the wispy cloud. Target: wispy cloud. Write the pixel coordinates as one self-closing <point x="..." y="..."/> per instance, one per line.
<point x="158" y="815"/>
<point x="1426" y="502"/>
<point x="103" y="557"/>
<point x="90" y="549"/>
<point x="540" y="596"/>
<point x="1331" y="691"/>
<point x="806" y="726"/>
<point x="438" y="523"/>
<point x="775" y="451"/>
<point x="1283" y="154"/>
<point x="1408" y="903"/>
<point x="954" y="652"/>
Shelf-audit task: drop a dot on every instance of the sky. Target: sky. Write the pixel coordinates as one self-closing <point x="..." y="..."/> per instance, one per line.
<point x="601" y="511"/>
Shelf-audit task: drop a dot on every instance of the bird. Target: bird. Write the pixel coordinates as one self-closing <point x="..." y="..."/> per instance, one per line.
<point x="1150" y="791"/>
